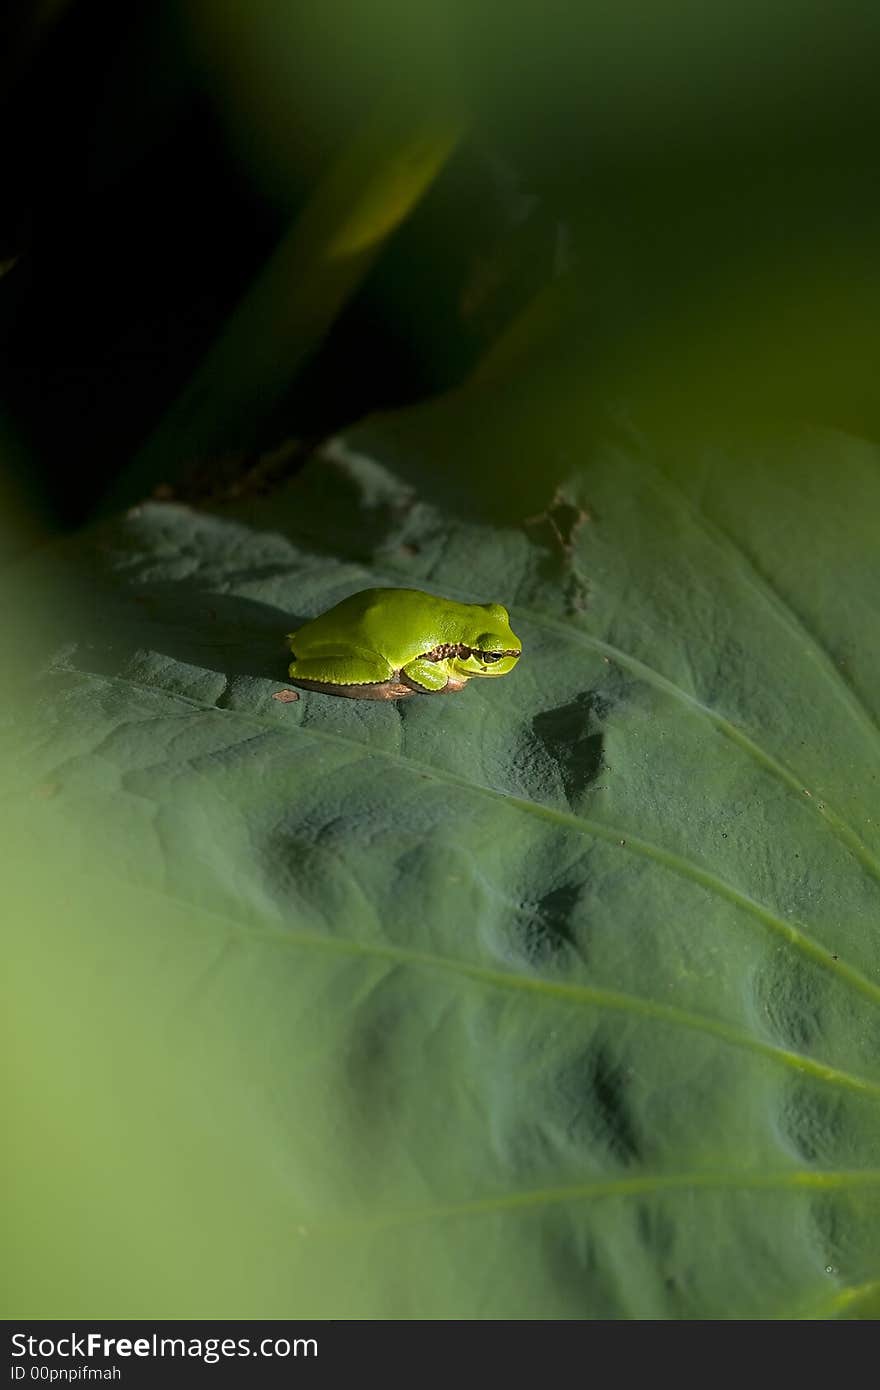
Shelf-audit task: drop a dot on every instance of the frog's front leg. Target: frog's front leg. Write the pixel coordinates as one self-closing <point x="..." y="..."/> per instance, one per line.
<point x="429" y="675"/>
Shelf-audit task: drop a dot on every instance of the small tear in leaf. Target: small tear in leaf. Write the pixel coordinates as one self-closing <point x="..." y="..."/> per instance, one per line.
<point x="564" y="520"/>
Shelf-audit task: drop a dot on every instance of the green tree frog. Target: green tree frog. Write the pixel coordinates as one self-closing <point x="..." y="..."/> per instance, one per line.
<point x="385" y="644"/>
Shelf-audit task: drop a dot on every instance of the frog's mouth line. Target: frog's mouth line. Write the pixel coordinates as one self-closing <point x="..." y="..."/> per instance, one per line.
<point x="447" y="649"/>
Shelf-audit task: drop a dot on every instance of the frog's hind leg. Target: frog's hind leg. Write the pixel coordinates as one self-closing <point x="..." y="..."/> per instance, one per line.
<point x="333" y="667"/>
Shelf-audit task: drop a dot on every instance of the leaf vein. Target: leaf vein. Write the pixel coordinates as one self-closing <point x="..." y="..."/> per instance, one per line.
<point x="795" y="935"/>
<point x="557" y="991"/>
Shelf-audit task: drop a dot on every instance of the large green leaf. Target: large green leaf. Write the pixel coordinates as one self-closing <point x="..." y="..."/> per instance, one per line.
<point x="556" y="998"/>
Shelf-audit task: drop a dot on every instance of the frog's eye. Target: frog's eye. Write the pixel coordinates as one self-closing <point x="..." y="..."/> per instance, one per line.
<point x="489" y="657"/>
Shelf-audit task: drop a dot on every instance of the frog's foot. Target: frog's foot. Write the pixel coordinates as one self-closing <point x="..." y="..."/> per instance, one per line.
<point x="371" y="690"/>
<point x="431" y="676"/>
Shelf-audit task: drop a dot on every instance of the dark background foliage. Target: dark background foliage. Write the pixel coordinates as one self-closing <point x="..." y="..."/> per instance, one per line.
<point x="698" y="170"/>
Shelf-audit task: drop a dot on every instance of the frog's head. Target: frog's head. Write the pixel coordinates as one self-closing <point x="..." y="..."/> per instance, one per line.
<point x="488" y="647"/>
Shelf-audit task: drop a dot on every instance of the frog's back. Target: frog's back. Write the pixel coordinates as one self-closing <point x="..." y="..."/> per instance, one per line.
<point x="375" y="619"/>
<point x="406" y="618"/>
